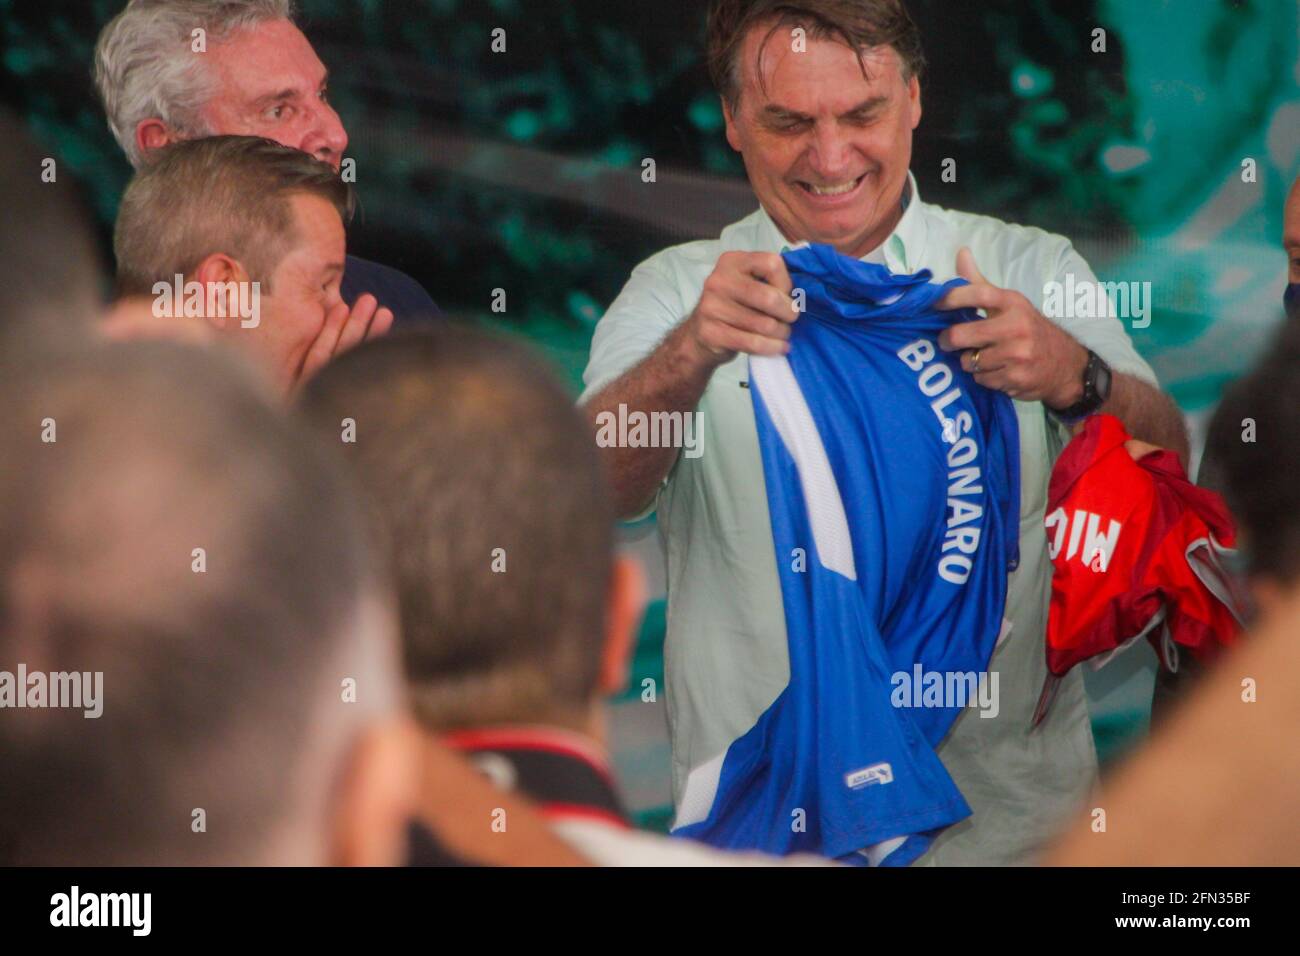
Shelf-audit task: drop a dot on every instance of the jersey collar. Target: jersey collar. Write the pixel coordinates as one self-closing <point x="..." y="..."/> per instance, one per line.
<point x="566" y="774"/>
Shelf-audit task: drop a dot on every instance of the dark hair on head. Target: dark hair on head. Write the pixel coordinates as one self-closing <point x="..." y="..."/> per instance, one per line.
<point x="1253" y="444"/>
<point x="51" y="273"/>
<point x="861" y="24"/>
<point x="487" y="479"/>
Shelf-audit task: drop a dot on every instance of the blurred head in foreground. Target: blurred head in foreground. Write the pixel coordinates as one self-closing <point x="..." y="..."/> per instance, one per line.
<point x="517" y="616"/>
<point x="1254" y="440"/>
<point x="51" y="275"/>
<point x="194" y="618"/>
<point x="514" y="608"/>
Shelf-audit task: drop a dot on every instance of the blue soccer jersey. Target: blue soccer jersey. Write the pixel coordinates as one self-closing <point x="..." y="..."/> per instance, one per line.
<point x="893" y="485"/>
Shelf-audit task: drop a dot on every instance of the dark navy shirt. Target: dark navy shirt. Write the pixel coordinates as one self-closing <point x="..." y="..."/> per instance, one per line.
<point x="394" y="289"/>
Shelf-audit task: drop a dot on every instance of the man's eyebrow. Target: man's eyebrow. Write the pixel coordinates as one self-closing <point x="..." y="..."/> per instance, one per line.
<point x="333" y="267"/>
<point x="774" y="111"/>
<point x="780" y="112"/>
<point x="277" y="97"/>
<point x="868" y="105"/>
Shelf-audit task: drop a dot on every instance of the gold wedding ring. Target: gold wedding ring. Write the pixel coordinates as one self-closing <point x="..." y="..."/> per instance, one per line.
<point x="975" y="362"/>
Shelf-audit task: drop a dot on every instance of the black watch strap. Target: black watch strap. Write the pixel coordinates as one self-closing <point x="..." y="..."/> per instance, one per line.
<point x="1096" y="390"/>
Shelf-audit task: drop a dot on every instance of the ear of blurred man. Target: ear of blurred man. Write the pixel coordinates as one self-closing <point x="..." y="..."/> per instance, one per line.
<point x="627" y="591"/>
<point x="377" y="796"/>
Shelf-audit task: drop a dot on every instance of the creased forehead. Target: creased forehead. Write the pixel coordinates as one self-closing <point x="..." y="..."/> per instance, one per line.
<point x="266" y="59"/>
<point x="767" y="52"/>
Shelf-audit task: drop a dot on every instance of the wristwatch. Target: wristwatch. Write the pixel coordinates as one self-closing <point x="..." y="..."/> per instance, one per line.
<point x="1096" y="389"/>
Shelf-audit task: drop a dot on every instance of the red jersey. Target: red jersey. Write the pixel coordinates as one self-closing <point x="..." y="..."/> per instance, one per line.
<point x="1135" y="551"/>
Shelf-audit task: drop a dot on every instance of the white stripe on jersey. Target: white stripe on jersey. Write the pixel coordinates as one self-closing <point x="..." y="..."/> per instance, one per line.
<point x="794" y="423"/>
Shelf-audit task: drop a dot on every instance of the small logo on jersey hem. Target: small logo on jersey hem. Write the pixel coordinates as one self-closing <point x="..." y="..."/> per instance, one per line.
<point x="876" y="773"/>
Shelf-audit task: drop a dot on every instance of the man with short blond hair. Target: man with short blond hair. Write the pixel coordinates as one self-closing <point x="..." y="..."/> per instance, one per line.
<point x="249" y="236"/>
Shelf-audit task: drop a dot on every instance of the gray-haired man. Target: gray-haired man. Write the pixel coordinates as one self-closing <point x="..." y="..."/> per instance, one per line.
<point x="254" y="73"/>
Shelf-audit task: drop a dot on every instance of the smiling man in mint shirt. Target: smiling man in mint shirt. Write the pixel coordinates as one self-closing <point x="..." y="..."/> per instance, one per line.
<point x="824" y="119"/>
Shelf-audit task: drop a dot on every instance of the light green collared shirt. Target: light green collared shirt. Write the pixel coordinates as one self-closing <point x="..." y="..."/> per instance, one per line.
<point x="725" y="652"/>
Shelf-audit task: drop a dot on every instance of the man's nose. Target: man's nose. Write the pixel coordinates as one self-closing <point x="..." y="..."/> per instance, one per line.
<point x="831" y="153"/>
<point x="327" y="138"/>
